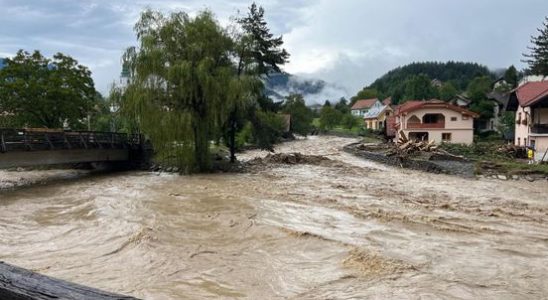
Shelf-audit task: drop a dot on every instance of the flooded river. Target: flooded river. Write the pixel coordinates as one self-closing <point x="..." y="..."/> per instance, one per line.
<point x="346" y="229"/>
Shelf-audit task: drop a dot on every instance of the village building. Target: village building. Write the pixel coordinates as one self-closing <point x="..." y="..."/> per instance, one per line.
<point x="530" y="102"/>
<point x="361" y="107"/>
<point x="375" y="118"/>
<point x="498" y="101"/>
<point x="433" y="120"/>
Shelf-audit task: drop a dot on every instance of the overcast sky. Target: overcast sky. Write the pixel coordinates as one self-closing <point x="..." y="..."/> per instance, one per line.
<point x="346" y="42"/>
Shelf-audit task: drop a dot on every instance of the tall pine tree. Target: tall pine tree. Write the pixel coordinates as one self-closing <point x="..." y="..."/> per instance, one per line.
<point x="538" y="57"/>
<point x="258" y="54"/>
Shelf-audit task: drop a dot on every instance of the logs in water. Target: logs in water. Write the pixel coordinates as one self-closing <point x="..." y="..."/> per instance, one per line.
<point x="20" y="284"/>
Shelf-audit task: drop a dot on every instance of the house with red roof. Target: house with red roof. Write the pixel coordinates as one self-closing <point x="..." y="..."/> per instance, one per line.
<point x="433" y="120"/>
<point x="530" y="102"/>
<point x="361" y="107"/>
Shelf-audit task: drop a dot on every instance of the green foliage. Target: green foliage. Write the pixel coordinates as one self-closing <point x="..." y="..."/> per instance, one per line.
<point x="258" y="53"/>
<point x="477" y="91"/>
<point x="537" y="59"/>
<point x="260" y="47"/>
<point x="342" y="106"/>
<point x="477" y="150"/>
<point x="183" y="83"/>
<point x="244" y="136"/>
<point x="419" y="87"/>
<point x="478" y="88"/>
<point x="484" y="108"/>
<point x="393" y="82"/>
<point x="507" y="123"/>
<point x="349" y="121"/>
<point x="329" y="118"/>
<point x="447" y="91"/>
<point x="301" y="115"/>
<point x="40" y="92"/>
<point x="365" y="93"/>
<point x="268" y="129"/>
<point x="511" y="76"/>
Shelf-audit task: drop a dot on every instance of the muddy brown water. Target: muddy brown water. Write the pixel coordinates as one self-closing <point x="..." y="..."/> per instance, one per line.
<point x="347" y="229"/>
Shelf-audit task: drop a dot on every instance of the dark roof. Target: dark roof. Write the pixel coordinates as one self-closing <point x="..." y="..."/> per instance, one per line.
<point x="364" y="103"/>
<point x="500" y="98"/>
<point x="433" y="103"/>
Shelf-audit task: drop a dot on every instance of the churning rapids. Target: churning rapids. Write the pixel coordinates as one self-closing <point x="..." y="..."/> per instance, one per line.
<point x="339" y="230"/>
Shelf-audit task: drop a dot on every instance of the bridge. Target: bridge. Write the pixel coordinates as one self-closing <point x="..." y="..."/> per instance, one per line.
<point x="36" y="147"/>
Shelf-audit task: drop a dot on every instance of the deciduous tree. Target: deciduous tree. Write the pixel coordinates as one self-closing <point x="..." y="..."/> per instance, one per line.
<point x="40" y="92"/>
<point x="301" y="116"/>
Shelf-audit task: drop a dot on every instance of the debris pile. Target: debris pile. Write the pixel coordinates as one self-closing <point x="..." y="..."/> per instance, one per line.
<point x="512" y="151"/>
<point x="406" y="146"/>
<point x="290" y="159"/>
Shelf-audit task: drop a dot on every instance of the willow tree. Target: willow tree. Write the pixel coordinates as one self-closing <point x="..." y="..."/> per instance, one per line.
<point x="180" y="73"/>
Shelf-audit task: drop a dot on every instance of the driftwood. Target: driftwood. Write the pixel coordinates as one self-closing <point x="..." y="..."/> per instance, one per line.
<point x="20" y="284"/>
<point x="405" y="146"/>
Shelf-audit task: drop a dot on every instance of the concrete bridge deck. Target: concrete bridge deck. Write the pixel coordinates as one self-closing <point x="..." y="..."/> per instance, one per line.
<point x="24" y="147"/>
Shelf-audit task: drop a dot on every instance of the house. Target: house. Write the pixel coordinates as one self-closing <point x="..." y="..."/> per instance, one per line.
<point x="375" y="118"/>
<point x="461" y="100"/>
<point x="362" y="106"/>
<point x="530" y="102"/>
<point x="433" y="120"/>
<point x="498" y="101"/>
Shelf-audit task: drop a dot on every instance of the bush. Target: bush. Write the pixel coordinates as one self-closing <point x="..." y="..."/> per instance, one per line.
<point x="244" y="136"/>
<point x="268" y="130"/>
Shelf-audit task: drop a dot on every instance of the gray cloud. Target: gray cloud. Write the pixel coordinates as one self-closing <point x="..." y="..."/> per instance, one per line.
<point x="347" y="42"/>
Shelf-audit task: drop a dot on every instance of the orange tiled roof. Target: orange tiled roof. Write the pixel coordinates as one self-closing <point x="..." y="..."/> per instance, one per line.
<point x="364" y="103"/>
<point x="532" y="92"/>
<point x="434" y="103"/>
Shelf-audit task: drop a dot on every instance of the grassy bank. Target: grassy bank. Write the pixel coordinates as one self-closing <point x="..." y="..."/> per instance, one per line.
<point x="490" y="158"/>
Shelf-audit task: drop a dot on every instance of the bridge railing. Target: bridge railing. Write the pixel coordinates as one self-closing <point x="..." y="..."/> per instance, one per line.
<point x="47" y="139"/>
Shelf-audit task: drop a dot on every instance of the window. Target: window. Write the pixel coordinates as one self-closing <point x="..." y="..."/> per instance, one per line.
<point x="524" y="141"/>
<point x="453" y="119"/>
<point x="519" y="118"/>
<point x="519" y="141"/>
<point x="446" y="137"/>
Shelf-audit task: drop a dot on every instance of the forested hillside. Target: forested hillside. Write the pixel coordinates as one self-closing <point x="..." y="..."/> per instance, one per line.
<point x="401" y="82"/>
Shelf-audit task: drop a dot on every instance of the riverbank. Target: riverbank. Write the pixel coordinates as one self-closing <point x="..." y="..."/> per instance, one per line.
<point x="18" y="178"/>
<point x="326" y="224"/>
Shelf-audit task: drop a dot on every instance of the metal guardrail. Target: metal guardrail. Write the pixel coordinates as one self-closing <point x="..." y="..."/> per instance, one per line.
<point x="17" y="140"/>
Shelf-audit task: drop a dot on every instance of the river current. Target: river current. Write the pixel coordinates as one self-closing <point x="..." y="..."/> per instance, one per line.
<point x="346" y="229"/>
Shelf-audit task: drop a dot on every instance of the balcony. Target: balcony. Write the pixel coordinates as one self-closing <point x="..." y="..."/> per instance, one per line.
<point x="437" y="125"/>
<point x="539" y="128"/>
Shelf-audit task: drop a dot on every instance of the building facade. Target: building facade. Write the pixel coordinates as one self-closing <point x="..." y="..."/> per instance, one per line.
<point x="361" y="107"/>
<point x="375" y="118"/>
<point x="530" y="102"/>
<point x="435" y="120"/>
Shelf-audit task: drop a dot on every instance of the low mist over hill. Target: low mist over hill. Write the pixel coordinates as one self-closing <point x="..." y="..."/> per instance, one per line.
<point x="314" y="91"/>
